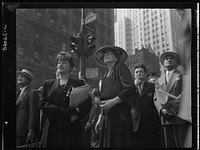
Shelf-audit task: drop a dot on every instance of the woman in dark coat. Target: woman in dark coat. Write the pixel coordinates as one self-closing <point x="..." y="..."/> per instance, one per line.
<point x="60" y="131"/>
<point x="116" y="90"/>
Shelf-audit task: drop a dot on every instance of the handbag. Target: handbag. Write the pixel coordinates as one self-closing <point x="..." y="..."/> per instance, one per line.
<point x="79" y="95"/>
<point x="135" y="119"/>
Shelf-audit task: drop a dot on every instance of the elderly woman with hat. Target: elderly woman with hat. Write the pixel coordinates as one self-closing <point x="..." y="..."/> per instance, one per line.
<point x="116" y="89"/>
<point x="60" y="130"/>
<point x="27" y="109"/>
<point x="171" y="82"/>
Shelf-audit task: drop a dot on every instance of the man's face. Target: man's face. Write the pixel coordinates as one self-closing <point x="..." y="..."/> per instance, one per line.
<point x="23" y="80"/>
<point x="169" y="61"/>
<point x="139" y="73"/>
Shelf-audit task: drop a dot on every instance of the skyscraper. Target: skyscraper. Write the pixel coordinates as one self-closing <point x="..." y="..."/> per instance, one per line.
<point x="157" y="28"/>
<point x="143" y="28"/>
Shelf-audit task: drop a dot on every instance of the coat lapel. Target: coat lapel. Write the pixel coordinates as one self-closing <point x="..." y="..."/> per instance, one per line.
<point x="145" y="88"/>
<point x="172" y="81"/>
<point x="20" y="98"/>
<point x="162" y="83"/>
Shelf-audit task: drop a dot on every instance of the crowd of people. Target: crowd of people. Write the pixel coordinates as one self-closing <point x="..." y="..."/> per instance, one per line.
<point x="125" y="111"/>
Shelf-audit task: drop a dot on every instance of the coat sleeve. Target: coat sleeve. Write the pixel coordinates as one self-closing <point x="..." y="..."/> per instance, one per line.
<point x="47" y="108"/>
<point x="34" y="114"/>
<point x="128" y="87"/>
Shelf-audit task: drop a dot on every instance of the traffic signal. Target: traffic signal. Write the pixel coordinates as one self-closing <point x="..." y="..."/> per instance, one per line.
<point x="89" y="45"/>
<point x="76" y="45"/>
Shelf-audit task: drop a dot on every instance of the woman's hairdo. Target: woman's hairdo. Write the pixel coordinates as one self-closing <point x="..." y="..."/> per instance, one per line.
<point x="63" y="55"/>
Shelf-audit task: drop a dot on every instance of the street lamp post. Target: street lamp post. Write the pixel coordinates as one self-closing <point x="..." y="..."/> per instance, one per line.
<point x="82" y="34"/>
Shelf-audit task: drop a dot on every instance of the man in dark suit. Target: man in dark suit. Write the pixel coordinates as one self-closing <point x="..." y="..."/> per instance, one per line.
<point x="146" y="123"/>
<point x="27" y="109"/>
<point x="168" y="106"/>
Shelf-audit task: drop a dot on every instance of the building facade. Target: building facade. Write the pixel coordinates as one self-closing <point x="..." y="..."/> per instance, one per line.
<point x="156" y="28"/>
<point x="42" y="33"/>
<point x="146" y="57"/>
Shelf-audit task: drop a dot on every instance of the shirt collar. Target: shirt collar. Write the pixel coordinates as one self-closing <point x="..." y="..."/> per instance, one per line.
<point x="22" y="89"/>
<point x="170" y="72"/>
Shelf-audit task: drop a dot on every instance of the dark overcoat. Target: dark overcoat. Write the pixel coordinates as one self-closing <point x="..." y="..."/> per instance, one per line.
<point x="148" y="133"/>
<point x="174" y="127"/>
<point x="117" y="130"/>
<point x="27" y="112"/>
<point x="59" y="130"/>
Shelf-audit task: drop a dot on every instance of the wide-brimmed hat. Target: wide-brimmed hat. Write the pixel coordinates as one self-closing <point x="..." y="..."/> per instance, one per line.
<point x="26" y="73"/>
<point x="121" y="53"/>
<point x="171" y="53"/>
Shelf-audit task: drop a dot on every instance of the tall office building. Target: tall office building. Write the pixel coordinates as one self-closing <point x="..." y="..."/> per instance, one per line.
<point x="155" y="28"/>
<point x="42" y="33"/>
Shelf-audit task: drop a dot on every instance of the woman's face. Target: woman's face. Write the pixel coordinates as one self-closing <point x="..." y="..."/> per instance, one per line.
<point x="63" y="66"/>
<point x="108" y="57"/>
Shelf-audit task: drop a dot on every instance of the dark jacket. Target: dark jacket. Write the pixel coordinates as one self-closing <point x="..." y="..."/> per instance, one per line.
<point x="27" y="112"/>
<point x="148" y="134"/>
<point x="59" y="131"/>
<point x="117" y="129"/>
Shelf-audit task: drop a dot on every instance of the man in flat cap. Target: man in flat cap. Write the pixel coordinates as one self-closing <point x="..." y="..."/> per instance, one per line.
<point x="168" y="105"/>
<point x="27" y="109"/>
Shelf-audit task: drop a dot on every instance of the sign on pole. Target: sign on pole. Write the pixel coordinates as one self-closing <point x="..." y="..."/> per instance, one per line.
<point x="90" y="17"/>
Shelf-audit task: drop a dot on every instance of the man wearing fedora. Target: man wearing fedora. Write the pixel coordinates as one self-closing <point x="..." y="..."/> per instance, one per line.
<point x="27" y="109"/>
<point x="168" y="106"/>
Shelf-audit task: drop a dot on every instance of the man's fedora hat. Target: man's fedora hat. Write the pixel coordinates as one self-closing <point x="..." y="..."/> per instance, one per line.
<point x="26" y="73"/>
<point x="118" y="51"/>
<point x="169" y="53"/>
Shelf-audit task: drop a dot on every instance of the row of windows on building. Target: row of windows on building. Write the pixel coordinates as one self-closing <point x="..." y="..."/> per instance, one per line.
<point x="48" y="18"/>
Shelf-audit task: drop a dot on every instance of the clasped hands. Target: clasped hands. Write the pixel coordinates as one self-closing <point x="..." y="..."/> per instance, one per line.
<point x="167" y="113"/>
<point x="108" y="104"/>
<point x="31" y="137"/>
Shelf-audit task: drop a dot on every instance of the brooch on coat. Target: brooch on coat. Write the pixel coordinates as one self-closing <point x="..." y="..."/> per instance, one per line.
<point x="150" y="94"/>
<point x="178" y="78"/>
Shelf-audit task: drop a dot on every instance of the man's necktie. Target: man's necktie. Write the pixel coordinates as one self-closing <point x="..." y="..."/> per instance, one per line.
<point x="140" y="89"/>
<point x="167" y="77"/>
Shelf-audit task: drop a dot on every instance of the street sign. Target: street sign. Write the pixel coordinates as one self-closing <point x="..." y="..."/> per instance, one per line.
<point x="90" y="17"/>
<point x="91" y="28"/>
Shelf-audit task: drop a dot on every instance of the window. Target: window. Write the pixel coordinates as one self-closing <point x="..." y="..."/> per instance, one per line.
<point x="20" y="50"/>
<point x="37" y="35"/>
<point x="64" y="27"/>
<point x="36" y="55"/>
<point x="63" y="46"/>
<point x="38" y="14"/>
<point x="51" y="58"/>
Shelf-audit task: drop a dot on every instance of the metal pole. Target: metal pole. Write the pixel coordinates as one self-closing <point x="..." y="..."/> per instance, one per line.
<point x="83" y="33"/>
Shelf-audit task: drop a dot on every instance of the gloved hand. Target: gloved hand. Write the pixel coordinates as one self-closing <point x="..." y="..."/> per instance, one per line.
<point x="31" y="137"/>
<point x="166" y="113"/>
<point x="88" y="126"/>
<point x="108" y="104"/>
